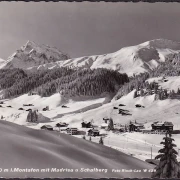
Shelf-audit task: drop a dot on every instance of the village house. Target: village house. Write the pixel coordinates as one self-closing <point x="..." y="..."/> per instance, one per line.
<point x="32" y="93"/>
<point x="72" y="131"/>
<point x="93" y="132"/>
<point x="162" y="126"/>
<point x="47" y="127"/>
<point x="104" y="126"/>
<point x="46" y="108"/>
<point x="105" y="120"/>
<point x="61" y="124"/>
<point x="135" y="127"/>
<point x="86" y="125"/>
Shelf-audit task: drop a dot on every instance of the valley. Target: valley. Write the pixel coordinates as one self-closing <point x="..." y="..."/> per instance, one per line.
<point x="42" y="89"/>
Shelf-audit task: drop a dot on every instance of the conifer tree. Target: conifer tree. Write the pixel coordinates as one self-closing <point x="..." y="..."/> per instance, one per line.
<point x="135" y="94"/>
<point x="101" y="141"/>
<point x="34" y="116"/>
<point x="110" y="125"/>
<point x="84" y="137"/>
<point x="178" y="91"/>
<point x="168" y="166"/>
<point x="29" y="116"/>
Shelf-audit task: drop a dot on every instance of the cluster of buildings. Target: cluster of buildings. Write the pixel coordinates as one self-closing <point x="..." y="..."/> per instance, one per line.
<point x="63" y="127"/>
<point x="155" y="127"/>
<point x="94" y="131"/>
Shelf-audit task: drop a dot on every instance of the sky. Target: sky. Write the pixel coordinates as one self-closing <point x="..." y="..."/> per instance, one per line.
<point x="86" y="28"/>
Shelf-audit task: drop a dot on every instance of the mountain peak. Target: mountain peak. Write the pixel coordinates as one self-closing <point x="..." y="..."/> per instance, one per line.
<point x="33" y="54"/>
<point x="29" y="45"/>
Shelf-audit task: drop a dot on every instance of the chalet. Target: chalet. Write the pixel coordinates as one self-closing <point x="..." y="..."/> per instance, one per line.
<point x="139" y="105"/>
<point x="124" y="112"/>
<point x="20" y="109"/>
<point x="115" y="107"/>
<point x="28" y="105"/>
<point x="104" y="126"/>
<point x="135" y="127"/>
<point x="86" y="125"/>
<point x="29" y="110"/>
<point x="46" y="108"/>
<point x="122" y="105"/>
<point x="47" y="127"/>
<point x="106" y="120"/>
<point x="61" y="124"/>
<point x="1" y="102"/>
<point x="72" y="131"/>
<point x="32" y="93"/>
<point x="93" y="132"/>
<point x="9" y="106"/>
<point x="63" y="106"/>
<point x="160" y="126"/>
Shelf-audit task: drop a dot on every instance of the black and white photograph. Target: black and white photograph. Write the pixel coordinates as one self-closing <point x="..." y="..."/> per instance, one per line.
<point x="89" y="90"/>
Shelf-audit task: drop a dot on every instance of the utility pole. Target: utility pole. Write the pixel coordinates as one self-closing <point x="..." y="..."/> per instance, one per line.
<point x="151" y="152"/>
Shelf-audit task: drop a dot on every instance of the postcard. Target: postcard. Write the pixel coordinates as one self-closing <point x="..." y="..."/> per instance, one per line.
<point x="89" y="90"/>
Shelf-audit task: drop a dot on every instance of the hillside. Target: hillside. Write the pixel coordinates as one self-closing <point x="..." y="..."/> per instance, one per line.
<point x="32" y="54"/>
<point x="96" y="108"/>
<point x="131" y="60"/>
<point x="67" y="81"/>
<point x="27" y="148"/>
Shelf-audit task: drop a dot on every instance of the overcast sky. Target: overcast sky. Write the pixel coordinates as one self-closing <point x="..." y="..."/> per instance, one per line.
<point x="85" y="28"/>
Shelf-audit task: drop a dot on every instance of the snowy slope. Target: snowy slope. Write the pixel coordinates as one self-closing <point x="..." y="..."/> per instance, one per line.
<point x="169" y="83"/>
<point x="96" y="109"/>
<point x="27" y="148"/>
<point x="32" y="54"/>
<point x="131" y="60"/>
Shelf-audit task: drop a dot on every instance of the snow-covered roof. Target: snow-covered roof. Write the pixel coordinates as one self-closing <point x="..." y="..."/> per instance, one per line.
<point x="162" y="123"/>
<point x="104" y="125"/>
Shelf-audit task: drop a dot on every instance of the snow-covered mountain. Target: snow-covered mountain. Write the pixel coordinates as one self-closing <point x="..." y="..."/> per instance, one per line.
<point x="131" y="60"/>
<point x="32" y="54"/>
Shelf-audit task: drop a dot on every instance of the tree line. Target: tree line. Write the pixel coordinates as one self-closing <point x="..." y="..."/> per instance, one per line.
<point x="69" y="81"/>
